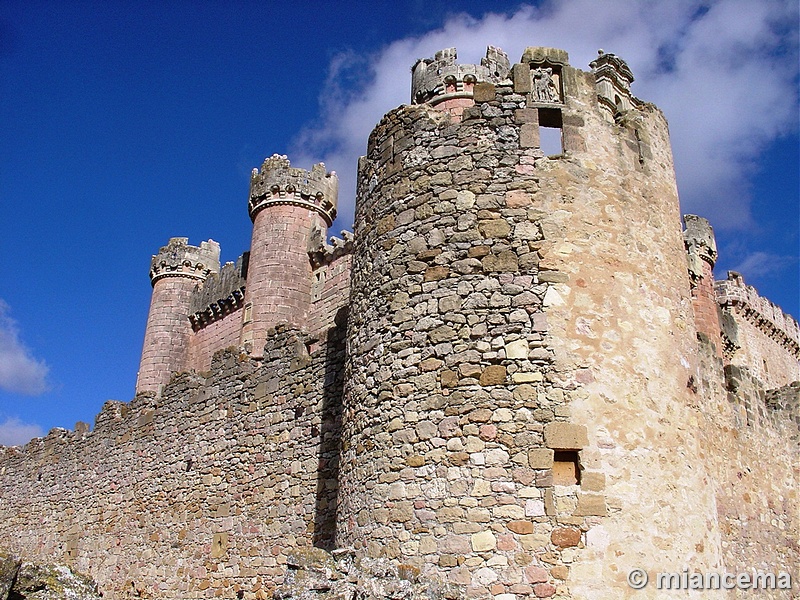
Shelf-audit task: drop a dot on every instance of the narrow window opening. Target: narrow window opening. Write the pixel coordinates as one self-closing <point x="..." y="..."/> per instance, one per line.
<point x="551" y="124"/>
<point x="566" y="468"/>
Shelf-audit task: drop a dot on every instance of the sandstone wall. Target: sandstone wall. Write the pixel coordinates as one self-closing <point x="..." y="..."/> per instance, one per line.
<point x="750" y="445"/>
<point x="196" y="494"/>
<point x="761" y="337"/>
<point x="220" y="334"/>
<point x="330" y="293"/>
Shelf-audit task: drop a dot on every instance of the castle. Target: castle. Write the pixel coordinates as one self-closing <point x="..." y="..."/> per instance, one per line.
<point x="517" y="377"/>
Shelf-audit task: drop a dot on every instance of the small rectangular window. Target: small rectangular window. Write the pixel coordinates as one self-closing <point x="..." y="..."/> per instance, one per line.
<point x="550" y="131"/>
<point x="566" y="469"/>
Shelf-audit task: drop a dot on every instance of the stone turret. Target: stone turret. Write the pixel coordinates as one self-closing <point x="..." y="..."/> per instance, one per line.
<point x="701" y="250"/>
<point x="440" y="82"/>
<point x="289" y="208"/>
<point x="613" y="78"/>
<point x="174" y="273"/>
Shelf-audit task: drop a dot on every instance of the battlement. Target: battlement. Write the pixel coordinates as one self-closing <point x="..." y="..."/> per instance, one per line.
<point x="179" y="259"/>
<point x="278" y="183"/>
<point x="733" y="293"/>
<point x="219" y="295"/>
<point x="438" y="79"/>
<point x="323" y="253"/>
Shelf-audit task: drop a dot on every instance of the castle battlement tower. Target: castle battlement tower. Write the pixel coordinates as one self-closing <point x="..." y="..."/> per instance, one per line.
<point x="175" y="272"/>
<point x="504" y="301"/>
<point x="439" y="81"/>
<point x="289" y="208"/>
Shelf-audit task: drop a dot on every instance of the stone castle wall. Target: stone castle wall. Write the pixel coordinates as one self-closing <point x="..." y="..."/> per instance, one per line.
<point x="217" y="335"/>
<point x="197" y="493"/>
<point x="505" y="381"/>
<point x="759" y="335"/>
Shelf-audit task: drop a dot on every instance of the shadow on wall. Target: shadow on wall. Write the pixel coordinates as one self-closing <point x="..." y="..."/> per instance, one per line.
<point x="330" y="436"/>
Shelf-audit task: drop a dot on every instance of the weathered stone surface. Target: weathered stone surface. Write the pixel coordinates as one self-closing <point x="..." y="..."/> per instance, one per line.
<point x="9" y="565"/>
<point x="51" y="582"/>
<point x="483" y="92"/>
<point x="493" y="375"/>
<point x="504" y="305"/>
<point x="483" y="541"/>
<point x="565" y="537"/>
<point x="565" y="436"/>
<point x="591" y="505"/>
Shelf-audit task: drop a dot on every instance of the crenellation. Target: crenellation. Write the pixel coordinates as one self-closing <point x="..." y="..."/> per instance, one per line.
<point x="758" y="334"/>
<point x="179" y="259"/>
<point x="279" y="183"/>
<point x="514" y="379"/>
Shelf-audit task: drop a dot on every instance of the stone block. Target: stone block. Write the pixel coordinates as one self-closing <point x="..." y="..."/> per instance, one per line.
<point x="544" y="590"/>
<point x="483" y="92"/>
<point x="521" y="527"/>
<point x="496" y="228"/>
<point x="219" y="545"/>
<point x="493" y="375"/>
<point x="565" y="436"/>
<point x="540" y="458"/>
<point x="592" y="481"/>
<point x="529" y="135"/>
<point x="522" y="78"/>
<point x="517" y="349"/>
<point x="483" y="541"/>
<point x="591" y="505"/>
<point x="536" y="574"/>
<point x="565" y="537"/>
<point x="504" y="262"/>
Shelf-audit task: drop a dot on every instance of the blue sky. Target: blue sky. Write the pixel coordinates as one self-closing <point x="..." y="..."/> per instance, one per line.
<point x="124" y="124"/>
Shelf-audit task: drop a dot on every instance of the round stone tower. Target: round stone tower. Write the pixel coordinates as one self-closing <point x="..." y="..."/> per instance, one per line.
<point x="520" y="339"/>
<point x="174" y="273"/>
<point x="288" y="207"/>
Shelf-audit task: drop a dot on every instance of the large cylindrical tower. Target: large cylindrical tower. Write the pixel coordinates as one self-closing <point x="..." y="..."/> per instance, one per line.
<point x="287" y="206"/>
<point x="174" y="273"/>
<point x="516" y="407"/>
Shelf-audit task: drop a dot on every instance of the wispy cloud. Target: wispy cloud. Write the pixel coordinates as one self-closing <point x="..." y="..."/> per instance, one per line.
<point x="14" y="432"/>
<point x="724" y="73"/>
<point x="765" y="264"/>
<point x="20" y="372"/>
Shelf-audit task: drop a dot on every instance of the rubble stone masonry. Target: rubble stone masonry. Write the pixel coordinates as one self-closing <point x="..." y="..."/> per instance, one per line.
<point x="515" y="379"/>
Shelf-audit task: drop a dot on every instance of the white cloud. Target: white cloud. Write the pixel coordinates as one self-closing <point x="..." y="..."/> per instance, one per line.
<point x="721" y="71"/>
<point x="20" y="372"/>
<point x="14" y="432"/>
<point x="765" y="264"/>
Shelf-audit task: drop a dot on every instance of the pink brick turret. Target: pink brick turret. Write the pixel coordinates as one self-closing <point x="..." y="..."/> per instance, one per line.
<point x="174" y="272"/>
<point x="702" y="253"/>
<point x="288" y="206"/>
